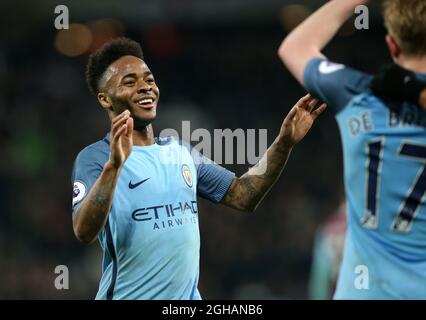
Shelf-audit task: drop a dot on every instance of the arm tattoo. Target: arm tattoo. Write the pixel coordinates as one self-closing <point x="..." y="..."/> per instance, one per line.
<point x="93" y="212"/>
<point x="101" y="198"/>
<point x="247" y="191"/>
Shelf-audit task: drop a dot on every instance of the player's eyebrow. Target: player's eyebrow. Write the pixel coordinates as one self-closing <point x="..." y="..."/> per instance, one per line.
<point x="132" y="74"/>
<point x="135" y="75"/>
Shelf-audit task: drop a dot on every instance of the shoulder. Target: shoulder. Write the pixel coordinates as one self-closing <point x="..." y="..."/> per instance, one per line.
<point x="175" y="142"/>
<point x="334" y="83"/>
<point x="87" y="167"/>
<point x="338" y="74"/>
<point x="95" y="152"/>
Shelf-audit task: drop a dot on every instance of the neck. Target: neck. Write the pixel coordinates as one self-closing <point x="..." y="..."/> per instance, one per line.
<point x="143" y="136"/>
<point x="413" y="63"/>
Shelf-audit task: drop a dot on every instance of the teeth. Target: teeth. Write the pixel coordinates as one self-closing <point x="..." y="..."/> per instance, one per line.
<point x="143" y="101"/>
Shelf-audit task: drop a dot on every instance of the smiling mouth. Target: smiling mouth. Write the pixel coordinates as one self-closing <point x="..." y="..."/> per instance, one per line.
<point x="146" y="103"/>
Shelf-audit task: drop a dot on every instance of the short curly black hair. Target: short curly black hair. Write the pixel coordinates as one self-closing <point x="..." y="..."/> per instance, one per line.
<point x="111" y="51"/>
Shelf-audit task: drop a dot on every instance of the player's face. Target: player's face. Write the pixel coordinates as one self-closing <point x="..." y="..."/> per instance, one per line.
<point x="130" y="85"/>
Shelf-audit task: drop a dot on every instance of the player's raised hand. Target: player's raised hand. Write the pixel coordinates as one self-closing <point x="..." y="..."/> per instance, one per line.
<point x="299" y="120"/>
<point x="121" y="138"/>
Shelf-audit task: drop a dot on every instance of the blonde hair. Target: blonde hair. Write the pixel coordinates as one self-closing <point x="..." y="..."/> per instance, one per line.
<point x="406" y="23"/>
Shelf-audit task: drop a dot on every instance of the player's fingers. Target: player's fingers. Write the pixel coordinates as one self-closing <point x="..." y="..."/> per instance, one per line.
<point x="129" y="124"/>
<point x="115" y="126"/>
<point x="302" y="101"/>
<point x="292" y="113"/>
<point x="120" y="116"/>
<point x="311" y="105"/>
<point x="319" y="110"/>
<point x="119" y="133"/>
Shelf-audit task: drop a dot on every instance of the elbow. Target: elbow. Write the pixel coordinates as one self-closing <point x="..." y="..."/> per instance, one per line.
<point x="285" y="49"/>
<point x="294" y="52"/>
<point x="82" y="235"/>
<point x="252" y="208"/>
<point x="249" y="207"/>
<point x="243" y="207"/>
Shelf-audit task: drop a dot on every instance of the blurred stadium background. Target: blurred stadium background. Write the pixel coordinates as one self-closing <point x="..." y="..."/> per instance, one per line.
<point x="216" y="65"/>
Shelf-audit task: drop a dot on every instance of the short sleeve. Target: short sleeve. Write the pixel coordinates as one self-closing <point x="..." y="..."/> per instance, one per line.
<point x="87" y="168"/>
<point x="334" y="84"/>
<point x="213" y="180"/>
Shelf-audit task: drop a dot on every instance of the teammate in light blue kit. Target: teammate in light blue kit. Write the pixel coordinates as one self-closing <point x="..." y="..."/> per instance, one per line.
<point x="138" y="194"/>
<point x="384" y="148"/>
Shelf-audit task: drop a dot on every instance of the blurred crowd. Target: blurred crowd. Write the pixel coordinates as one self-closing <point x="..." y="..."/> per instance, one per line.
<point x="219" y="77"/>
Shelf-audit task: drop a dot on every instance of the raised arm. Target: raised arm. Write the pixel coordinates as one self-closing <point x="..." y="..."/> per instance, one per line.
<point x="246" y="192"/>
<point x="92" y="213"/>
<point x="307" y="40"/>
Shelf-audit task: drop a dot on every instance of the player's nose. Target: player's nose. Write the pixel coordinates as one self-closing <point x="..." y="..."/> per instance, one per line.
<point x="144" y="87"/>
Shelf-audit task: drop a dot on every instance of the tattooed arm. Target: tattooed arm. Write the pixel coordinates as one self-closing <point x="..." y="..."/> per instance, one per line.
<point x="92" y="214"/>
<point x="246" y="192"/>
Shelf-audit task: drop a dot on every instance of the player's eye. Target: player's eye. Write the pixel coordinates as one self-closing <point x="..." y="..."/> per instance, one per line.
<point x="150" y="80"/>
<point x="129" y="82"/>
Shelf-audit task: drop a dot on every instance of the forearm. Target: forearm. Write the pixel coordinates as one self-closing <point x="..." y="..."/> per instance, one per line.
<point x="247" y="191"/>
<point x="92" y="214"/>
<point x="316" y="31"/>
<point x="311" y="36"/>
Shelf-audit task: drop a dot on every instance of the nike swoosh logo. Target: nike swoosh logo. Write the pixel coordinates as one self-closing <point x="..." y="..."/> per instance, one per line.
<point x="132" y="186"/>
<point x="327" y="67"/>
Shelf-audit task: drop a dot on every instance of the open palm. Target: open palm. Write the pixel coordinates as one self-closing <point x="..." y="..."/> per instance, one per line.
<point x="121" y="139"/>
<point x="300" y="119"/>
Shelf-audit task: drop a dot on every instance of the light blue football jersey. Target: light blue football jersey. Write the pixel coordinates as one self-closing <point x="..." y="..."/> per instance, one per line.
<point x="384" y="153"/>
<point x="151" y="240"/>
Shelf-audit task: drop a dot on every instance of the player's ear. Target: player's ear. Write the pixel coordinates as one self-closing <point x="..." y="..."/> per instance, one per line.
<point x="104" y="100"/>
<point x="393" y="47"/>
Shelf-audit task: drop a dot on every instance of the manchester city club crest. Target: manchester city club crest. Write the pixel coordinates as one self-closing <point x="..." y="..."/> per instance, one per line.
<point x="187" y="175"/>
